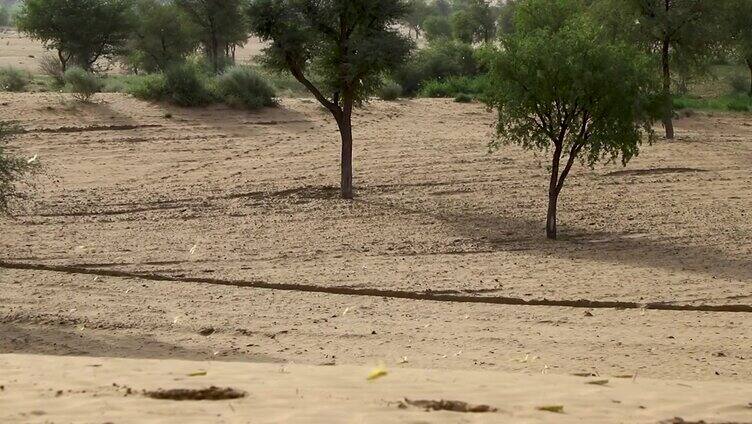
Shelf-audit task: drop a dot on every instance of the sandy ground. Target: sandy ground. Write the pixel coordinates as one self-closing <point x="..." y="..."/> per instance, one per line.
<point x="44" y="389"/>
<point x="171" y="221"/>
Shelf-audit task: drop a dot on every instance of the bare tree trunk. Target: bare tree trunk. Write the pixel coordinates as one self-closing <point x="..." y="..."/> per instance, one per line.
<point x="553" y="194"/>
<point x="346" y="164"/>
<point x="668" y="112"/>
<point x="749" y="63"/>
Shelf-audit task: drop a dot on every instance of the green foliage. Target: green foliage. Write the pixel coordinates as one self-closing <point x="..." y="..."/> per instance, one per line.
<point x="242" y="87"/>
<point x="438" y="61"/>
<point x="221" y="27"/>
<point x="13" y="79"/>
<point x="390" y="91"/>
<point x="83" y="84"/>
<point x="306" y="39"/>
<point x="187" y="85"/>
<point x="735" y="102"/>
<point x="151" y="87"/>
<point x="739" y="84"/>
<point x="162" y="36"/>
<point x="82" y="31"/>
<point x="418" y="11"/>
<point x="463" y="98"/>
<point x="5" y="16"/>
<point x="569" y="92"/>
<point x="475" y="20"/>
<point x="14" y="171"/>
<point x="454" y="86"/>
<point x="437" y="27"/>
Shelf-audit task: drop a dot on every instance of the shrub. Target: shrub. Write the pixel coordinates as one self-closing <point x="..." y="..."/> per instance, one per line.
<point x="439" y="60"/>
<point x="739" y="105"/>
<point x="242" y="87"/>
<point x="454" y="86"/>
<point x="148" y="87"/>
<point x="437" y="27"/>
<point x="390" y="91"/>
<point x="82" y="84"/>
<point x="463" y="98"/>
<point x="51" y="66"/>
<point x="13" y="79"/>
<point x="187" y="85"/>
<point x="739" y="84"/>
<point x="14" y="171"/>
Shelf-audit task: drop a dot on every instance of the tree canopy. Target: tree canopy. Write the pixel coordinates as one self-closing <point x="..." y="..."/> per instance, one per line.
<point x="82" y="31"/>
<point x="347" y="44"/>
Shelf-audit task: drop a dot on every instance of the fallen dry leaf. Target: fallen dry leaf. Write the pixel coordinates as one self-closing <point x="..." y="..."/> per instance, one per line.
<point x="557" y="409"/>
<point x="447" y="405"/>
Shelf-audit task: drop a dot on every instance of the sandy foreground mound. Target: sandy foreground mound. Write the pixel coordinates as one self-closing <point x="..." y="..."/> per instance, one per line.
<point x="80" y="389"/>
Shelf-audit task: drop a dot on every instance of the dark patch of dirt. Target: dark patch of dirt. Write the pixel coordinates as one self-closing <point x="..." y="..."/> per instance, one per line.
<point x="655" y="171"/>
<point x="446" y="405"/>
<point x="212" y="393"/>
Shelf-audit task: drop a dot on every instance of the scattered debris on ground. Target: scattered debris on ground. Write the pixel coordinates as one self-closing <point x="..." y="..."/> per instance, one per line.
<point x="212" y="393"/>
<point x="446" y="405"/>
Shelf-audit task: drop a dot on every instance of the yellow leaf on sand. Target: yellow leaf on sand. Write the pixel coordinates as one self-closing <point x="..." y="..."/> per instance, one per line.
<point x="376" y="373"/>
<point x="197" y="374"/>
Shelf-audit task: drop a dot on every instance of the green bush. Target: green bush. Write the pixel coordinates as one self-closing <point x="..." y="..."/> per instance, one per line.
<point x="390" y="91"/>
<point x="13" y="79"/>
<point x="454" y="86"/>
<point x="152" y="87"/>
<point x="740" y="105"/>
<point x="463" y="98"/>
<point x="739" y="84"/>
<point x="440" y="60"/>
<point x="187" y="85"/>
<point x="82" y="84"/>
<point x="242" y="87"/>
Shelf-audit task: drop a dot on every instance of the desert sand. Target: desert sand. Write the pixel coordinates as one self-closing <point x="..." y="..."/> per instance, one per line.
<point x="42" y="389"/>
<point x="213" y="234"/>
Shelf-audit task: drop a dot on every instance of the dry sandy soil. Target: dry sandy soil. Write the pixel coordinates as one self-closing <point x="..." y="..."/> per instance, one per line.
<point x="44" y="389"/>
<point x="160" y="232"/>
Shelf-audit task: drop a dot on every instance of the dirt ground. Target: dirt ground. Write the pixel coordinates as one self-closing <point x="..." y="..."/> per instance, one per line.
<point x="208" y="205"/>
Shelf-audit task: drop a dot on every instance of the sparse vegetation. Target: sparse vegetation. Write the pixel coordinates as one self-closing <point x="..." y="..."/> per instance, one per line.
<point x="14" y="171"/>
<point x="13" y="79"/>
<point x="83" y="84"/>
<point x="53" y="68"/>
<point x="390" y="91"/>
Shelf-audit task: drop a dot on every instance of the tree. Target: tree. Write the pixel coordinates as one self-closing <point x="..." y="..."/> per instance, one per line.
<point x="569" y="92"/>
<point x="82" y="31"/>
<point x="740" y="24"/>
<point x="442" y="8"/>
<point x="162" y="36"/>
<point x="13" y="170"/>
<point x="475" y="20"/>
<point x="418" y="11"/>
<point x="437" y="27"/>
<point x="681" y="33"/>
<point x="5" y="17"/>
<point x="222" y="27"/>
<point x="348" y="44"/>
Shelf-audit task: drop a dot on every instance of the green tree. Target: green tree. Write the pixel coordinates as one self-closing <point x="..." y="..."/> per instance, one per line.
<point x="5" y="18"/>
<point x="475" y="20"/>
<point x="162" y="36"/>
<point x="81" y="31"/>
<point x="437" y="27"/>
<point x="442" y="8"/>
<point x="222" y="27"/>
<point x="739" y="14"/>
<point x="349" y="44"/>
<point x="680" y="33"/>
<point x="418" y="11"/>
<point x="14" y="171"/>
<point x="570" y="93"/>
